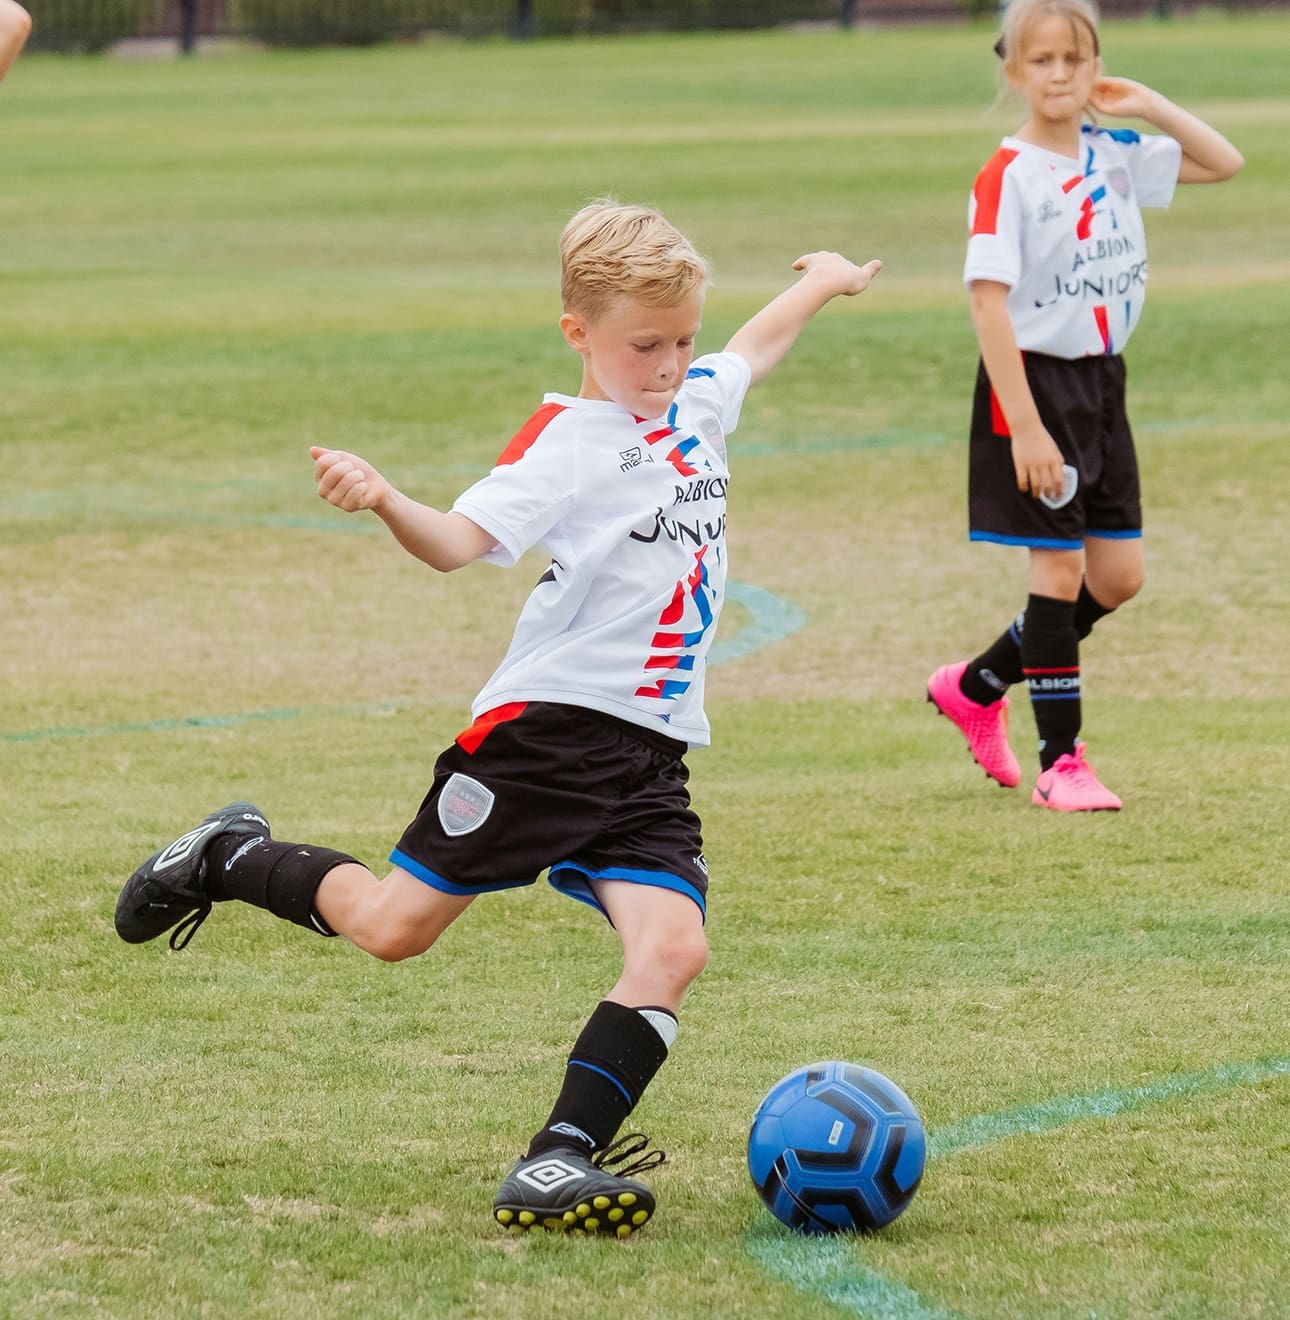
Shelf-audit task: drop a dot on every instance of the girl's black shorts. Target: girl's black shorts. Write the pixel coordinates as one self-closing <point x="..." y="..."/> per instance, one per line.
<point x="1081" y="403"/>
<point x="534" y="786"/>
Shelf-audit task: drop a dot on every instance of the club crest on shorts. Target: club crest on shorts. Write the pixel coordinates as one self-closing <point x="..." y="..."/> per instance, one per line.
<point x="464" y="805"/>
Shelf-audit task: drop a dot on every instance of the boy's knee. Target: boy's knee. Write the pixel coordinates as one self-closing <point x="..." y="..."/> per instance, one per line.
<point x="681" y="958"/>
<point x="396" y="942"/>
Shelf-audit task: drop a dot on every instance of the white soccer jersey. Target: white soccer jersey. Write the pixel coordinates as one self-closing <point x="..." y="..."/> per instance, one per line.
<point x="633" y="515"/>
<point x="1067" y="236"/>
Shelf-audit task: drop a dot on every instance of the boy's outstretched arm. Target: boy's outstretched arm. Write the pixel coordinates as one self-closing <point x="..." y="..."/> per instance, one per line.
<point x="764" y="340"/>
<point x="443" y="540"/>
<point x="15" y="24"/>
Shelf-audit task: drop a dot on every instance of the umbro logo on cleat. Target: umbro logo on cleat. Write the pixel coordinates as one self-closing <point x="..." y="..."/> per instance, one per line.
<point x="184" y="846"/>
<point x="549" y="1174"/>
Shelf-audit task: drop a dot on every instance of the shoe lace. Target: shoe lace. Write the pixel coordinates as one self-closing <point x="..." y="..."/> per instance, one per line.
<point x="1076" y="769"/>
<point x="631" y="1146"/>
<point x="187" y="928"/>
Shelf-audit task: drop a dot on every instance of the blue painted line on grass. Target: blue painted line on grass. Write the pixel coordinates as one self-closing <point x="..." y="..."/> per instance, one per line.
<point x="832" y="1268"/>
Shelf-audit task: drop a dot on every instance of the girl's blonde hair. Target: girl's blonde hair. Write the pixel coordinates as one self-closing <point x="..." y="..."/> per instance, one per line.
<point x="1022" y="15"/>
<point x="609" y="250"/>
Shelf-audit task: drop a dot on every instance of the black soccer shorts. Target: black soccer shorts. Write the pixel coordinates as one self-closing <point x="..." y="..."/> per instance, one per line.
<point x="538" y="785"/>
<point x="1081" y="403"/>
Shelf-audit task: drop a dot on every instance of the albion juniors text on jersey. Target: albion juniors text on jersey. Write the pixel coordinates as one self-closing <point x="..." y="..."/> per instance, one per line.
<point x="1067" y="236"/>
<point x="633" y="515"/>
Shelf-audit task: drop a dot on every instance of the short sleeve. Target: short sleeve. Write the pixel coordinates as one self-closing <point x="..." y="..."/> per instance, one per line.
<point x="1153" y="159"/>
<point x="530" y="489"/>
<point x="994" y="224"/>
<point x="719" y="381"/>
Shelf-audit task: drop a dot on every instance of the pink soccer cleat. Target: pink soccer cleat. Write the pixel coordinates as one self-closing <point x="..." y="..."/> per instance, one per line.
<point x="1069" y="784"/>
<point x="984" y="727"/>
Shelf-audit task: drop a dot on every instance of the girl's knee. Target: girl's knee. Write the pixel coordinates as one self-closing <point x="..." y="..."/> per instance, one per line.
<point x="1119" y="589"/>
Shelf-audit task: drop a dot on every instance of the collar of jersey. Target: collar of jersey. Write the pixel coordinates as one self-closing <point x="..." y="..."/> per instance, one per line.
<point x="599" y="405"/>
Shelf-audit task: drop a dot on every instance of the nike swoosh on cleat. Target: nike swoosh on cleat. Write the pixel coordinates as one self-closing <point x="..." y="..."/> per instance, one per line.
<point x="1044" y="793"/>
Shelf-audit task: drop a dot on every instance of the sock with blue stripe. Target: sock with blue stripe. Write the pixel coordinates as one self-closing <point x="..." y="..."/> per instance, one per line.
<point x="998" y="667"/>
<point x="613" y="1061"/>
<point x="1050" y="664"/>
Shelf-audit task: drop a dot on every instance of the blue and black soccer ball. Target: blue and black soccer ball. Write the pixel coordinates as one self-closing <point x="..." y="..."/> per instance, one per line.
<point x="836" y="1148"/>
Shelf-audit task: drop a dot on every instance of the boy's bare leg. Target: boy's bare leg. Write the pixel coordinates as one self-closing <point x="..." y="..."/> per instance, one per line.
<point x="392" y="919"/>
<point x="664" y="947"/>
<point x="562" y="1182"/>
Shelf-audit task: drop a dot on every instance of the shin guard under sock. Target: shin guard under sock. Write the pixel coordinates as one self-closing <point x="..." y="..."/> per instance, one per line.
<point x="282" y="878"/>
<point x="1050" y="663"/>
<point x="612" y="1062"/>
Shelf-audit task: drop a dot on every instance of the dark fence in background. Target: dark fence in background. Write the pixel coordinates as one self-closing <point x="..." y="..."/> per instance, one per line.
<point x="99" y="24"/>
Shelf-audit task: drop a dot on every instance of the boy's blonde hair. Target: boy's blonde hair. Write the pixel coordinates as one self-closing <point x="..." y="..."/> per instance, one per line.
<point x="609" y="250"/>
<point x="1022" y="15"/>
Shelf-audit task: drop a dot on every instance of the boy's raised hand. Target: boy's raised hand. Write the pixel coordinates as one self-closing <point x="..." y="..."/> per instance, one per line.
<point x="347" y="481"/>
<point x="848" y="278"/>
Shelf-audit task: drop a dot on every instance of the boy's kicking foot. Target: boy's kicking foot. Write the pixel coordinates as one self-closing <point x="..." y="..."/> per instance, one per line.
<point x="171" y="884"/>
<point x="568" y="1189"/>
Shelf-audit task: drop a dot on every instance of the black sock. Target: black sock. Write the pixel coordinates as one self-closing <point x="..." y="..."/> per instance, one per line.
<point x="279" y="877"/>
<point x="613" y="1061"/>
<point x="1087" y="612"/>
<point x="1050" y="662"/>
<point x="997" y="668"/>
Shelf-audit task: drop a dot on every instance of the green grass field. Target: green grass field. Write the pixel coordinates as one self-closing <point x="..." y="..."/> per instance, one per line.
<point x="208" y="266"/>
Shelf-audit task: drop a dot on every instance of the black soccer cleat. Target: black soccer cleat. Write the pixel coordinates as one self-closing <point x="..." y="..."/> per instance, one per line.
<point x="567" y="1190"/>
<point x="170" y="887"/>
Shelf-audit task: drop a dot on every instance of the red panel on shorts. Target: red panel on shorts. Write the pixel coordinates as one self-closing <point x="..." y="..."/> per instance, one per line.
<point x="998" y="422"/>
<point x="470" y="740"/>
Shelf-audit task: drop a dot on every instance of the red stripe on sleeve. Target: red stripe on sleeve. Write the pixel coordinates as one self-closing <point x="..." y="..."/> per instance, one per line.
<point x="527" y="433"/>
<point x="988" y="189"/>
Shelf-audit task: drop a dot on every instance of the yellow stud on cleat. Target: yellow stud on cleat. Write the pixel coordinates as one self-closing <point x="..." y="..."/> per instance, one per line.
<point x="527" y="1217"/>
<point x="570" y="1217"/>
<point x="591" y="1225"/>
<point x="583" y="1210"/>
<point x="624" y="1230"/>
<point x="640" y="1216"/>
<point x="626" y="1198"/>
<point x="553" y="1222"/>
<point x="615" y="1214"/>
<point x="601" y="1202"/>
<point x="505" y="1216"/>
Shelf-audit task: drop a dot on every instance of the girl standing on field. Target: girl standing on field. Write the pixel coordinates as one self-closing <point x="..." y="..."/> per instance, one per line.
<point x="1057" y="269"/>
<point x="15" y="24"/>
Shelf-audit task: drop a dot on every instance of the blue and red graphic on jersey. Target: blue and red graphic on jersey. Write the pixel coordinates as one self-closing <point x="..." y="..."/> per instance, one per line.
<point x="696" y="588"/>
<point x="677" y="455"/>
<point x="1084" y="231"/>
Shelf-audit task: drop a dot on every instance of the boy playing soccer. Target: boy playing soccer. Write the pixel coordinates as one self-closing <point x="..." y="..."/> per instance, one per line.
<point x="574" y="760"/>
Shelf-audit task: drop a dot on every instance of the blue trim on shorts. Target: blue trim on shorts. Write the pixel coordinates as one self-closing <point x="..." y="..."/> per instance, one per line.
<point x="579" y="888"/>
<point x="1030" y="542"/>
<point x="436" y="881"/>
<point x="1054" y="696"/>
<point x="591" y="1067"/>
<point x="1115" y="536"/>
